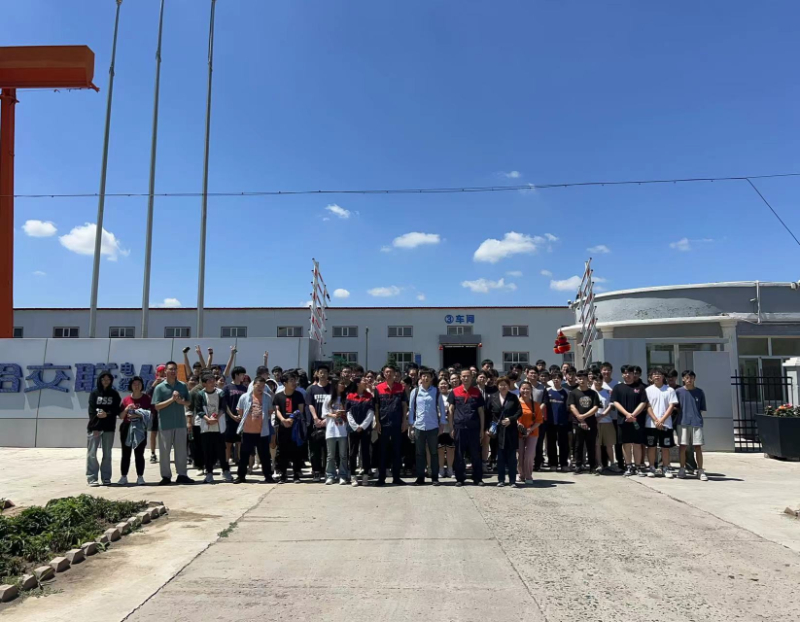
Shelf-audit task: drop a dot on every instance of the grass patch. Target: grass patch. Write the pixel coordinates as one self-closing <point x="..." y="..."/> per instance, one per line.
<point x="37" y="534"/>
<point x="228" y="530"/>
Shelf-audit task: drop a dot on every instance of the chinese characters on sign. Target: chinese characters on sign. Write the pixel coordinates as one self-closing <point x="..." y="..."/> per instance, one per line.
<point x="49" y="376"/>
<point x="459" y="319"/>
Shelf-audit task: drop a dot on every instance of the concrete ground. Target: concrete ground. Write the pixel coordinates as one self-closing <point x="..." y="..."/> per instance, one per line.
<point x="568" y="548"/>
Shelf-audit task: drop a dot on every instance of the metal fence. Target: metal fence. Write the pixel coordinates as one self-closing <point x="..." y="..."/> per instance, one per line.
<point x="755" y="394"/>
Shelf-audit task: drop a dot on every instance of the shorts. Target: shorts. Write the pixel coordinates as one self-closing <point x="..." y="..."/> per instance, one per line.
<point x="661" y="438"/>
<point x="628" y="434"/>
<point x="690" y="435"/>
<point x="606" y="434"/>
<point x="154" y="421"/>
<point x="446" y="440"/>
<point x="230" y="431"/>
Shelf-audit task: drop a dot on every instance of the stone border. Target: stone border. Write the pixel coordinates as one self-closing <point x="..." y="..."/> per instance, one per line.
<point x="78" y="555"/>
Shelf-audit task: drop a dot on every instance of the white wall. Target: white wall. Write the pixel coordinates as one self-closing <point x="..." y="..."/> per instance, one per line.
<point x="428" y="323"/>
<point x="52" y="418"/>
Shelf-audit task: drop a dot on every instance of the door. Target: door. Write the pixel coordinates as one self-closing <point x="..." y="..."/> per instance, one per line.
<point x="466" y="356"/>
<point x="713" y="371"/>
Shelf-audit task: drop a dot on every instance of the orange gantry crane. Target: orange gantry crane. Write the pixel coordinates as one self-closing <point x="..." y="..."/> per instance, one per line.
<point x="30" y="67"/>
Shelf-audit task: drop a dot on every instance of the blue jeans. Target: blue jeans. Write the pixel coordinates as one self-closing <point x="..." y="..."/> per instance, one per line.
<point x="333" y="446"/>
<point x="95" y="440"/>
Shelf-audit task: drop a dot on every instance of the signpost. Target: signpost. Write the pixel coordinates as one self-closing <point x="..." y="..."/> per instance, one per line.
<point x="588" y="319"/>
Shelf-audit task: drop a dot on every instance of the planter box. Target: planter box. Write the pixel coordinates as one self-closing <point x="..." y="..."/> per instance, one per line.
<point x="780" y="436"/>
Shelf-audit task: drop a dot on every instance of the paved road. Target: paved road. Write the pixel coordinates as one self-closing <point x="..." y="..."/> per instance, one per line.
<point x="570" y="548"/>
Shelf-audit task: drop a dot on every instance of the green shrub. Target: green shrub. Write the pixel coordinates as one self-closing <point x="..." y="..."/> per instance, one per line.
<point x="38" y="533"/>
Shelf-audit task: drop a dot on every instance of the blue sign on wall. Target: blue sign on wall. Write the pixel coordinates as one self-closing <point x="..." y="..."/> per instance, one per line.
<point x="459" y="319"/>
<point x="49" y="376"/>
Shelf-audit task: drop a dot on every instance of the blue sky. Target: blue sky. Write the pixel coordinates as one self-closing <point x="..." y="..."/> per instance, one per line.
<point x="360" y="94"/>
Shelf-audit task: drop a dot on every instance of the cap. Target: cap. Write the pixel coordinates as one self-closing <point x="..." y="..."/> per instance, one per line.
<point x="161" y="368"/>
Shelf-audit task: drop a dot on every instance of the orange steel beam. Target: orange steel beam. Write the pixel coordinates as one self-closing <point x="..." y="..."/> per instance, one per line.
<point x="70" y="66"/>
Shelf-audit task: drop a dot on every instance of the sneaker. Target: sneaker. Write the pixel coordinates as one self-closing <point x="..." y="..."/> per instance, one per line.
<point x="153" y="458"/>
<point x="106" y="482"/>
<point x="283" y="480"/>
<point x="651" y="472"/>
<point x="681" y="473"/>
<point x="314" y="477"/>
<point x="614" y="469"/>
<point x="659" y="472"/>
<point x="183" y="479"/>
<point x="123" y="481"/>
<point x="641" y="471"/>
<point x="269" y="480"/>
<point x="448" y="472"/>
<point x="459" y="484"/>
<point x="140" y="481"/>
<point x="668" y="473"/>
<point x="528" y="482"/>
<point x="517" y="485"/>
<point x="356" y="481"/>
<point x="598" y="471"/>
<point x="480" y="482"/>
<point x="165" y="481"/>
<point x="419" y="481"/>
<point x="631" y="470"/>
<point x="226" y="475"/>
<point x="398" y="482"/>
<point x="209" y="478"/>
<point x="249" y="470"/>
<point x="578" y="470"/>
<point x="435" y="482"/>
<point x="94" y="484"/>
<point x="442" y="473"/>
<point x="559" y="469"/>
<point x="343" y="482"/>
<point x="380" y="482"/>
<point x="329" y="481"/>
<point x="296" y="479"/>
<point x="365" y="479"/>
<point x="240" y="480"/>
<point x="701" y="474"/>
<point x="501" y="484"/>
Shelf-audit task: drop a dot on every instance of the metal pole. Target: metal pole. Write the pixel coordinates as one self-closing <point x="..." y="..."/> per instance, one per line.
<point x="201" y="273"/>
<point x="98" y="235"/>
<point x="148" y="244"/>
<point x="8" y="102"/>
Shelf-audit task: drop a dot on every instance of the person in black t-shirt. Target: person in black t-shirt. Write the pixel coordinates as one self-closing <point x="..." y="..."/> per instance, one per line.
<point x="630" y="400"/>
<point x="291" y="427"/>
<point x="317" y="393"/>
<point x="583" y="404"/>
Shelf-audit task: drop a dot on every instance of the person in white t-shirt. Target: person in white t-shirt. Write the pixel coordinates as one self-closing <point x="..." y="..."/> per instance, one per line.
<point x="335" y="415"/>
<point x="606" y="430"/>
<point x="662" y="400"/>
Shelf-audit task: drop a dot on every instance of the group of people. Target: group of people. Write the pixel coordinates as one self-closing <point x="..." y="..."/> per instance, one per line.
<point x="358" y="427"/>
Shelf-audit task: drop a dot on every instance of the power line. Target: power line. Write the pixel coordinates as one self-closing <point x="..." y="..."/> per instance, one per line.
<point x="443" y="190"/>
<point x="780" y="220"/>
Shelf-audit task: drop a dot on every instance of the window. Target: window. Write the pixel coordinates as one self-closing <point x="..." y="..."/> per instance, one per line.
<point x="290" y="331"/>
<point x="18" y="332"/>
<point x="785" y="346"/>
<point x="510" y="358"/>
<point x="65" y="332"/>
<point x="515" y="331"/>
<point x="459" y="330"/>
<point x="121" y="331"/>
<point x="177" y="331"/>
<point x="340" y="359"/>
<point x="345" y="331"/>
<point x="233" y="331"/>
<point x="660" y="355"/>
<point x="401" y="331"/>
<point x="753" y="346"/>
<point x="569" y="357"/>
<point x="401" y="360"/>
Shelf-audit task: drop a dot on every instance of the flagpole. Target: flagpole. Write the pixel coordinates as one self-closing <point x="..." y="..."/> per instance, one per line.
<point x="98" y="234"/>
<point x="148" y="245"/>
<point x="201" y="273"/>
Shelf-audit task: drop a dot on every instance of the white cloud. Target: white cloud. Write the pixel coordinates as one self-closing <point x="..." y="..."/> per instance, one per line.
<point x="39" y="273"/>
<point x="326" y="219"/>
<point x="512" y="174"/>
<point x="386" y="249"/>
<point x="414" y="239"/>
<point x="384" y="292"/>
<point x="513" y="243"/>
<point x="81" y="240"/>
<point x="339" y="211"/>
<point x="341" y="293"/>
<point x="39" y="228"/>
<point x="573" y="282"/>
<point x="516" y="273"/>
<point x="550" y="237"/>
<point x="484" y="286"/>
<point x="546" y="273"/>
<point x="685" y="244"/>
<point x="307" y="304"/>
<point x="570" y="284"/>
<point x="170" y="303"/>
<point x="601" y="249"/>
<point x="421" y="297"/>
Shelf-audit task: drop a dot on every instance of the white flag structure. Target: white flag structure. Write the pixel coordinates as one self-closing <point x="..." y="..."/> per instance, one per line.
<point x="588" y="318"/>
<point x="319" y="302"/>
